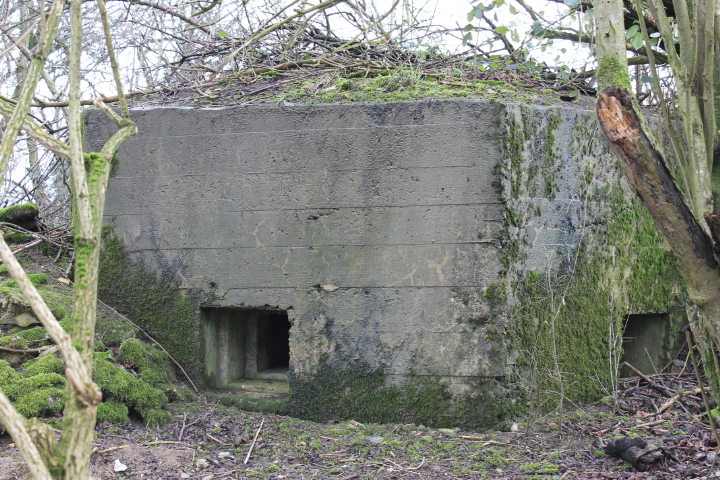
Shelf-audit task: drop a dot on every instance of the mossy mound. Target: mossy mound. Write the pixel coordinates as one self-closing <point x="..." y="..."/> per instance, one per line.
<point x="44" y="364"/>
<point x="114" y="331"/>
<point x="119" y="385"/>
<point x="397" y="85"/>
<point x="33" y="394"/>
<point x="152" y="363"/>
<point x="23" y="216"/>
<point x="37" y="389"/>
<point x="58" y="300"/>
<point x="36" y="386"/>
<point x="18" y="212"/>
<point x="112" y="411"/>
<point x="34" y="334"/>
<point x="36" y="279"/>
<point x="15" y="238"/>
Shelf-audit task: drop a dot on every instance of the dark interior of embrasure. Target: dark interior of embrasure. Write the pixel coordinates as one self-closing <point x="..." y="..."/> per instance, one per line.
<point x="246" y="344"/>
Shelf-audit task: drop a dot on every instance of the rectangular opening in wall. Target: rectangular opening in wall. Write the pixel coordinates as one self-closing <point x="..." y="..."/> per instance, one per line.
<point x="644" y="343"/>
<point x="243" y="344"/>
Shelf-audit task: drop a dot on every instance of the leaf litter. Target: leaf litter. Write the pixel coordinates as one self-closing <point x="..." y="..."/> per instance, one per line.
<point x="210" y="441"/>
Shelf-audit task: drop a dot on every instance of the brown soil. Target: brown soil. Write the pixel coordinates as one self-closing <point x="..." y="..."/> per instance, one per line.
<point x="210" y="441"/>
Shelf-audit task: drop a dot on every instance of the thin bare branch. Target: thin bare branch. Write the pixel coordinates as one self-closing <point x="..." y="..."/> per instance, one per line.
<point x="15" y="424"/>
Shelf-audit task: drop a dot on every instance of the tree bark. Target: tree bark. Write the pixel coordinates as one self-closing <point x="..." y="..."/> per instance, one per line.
<point x="675" y="216"/>
<point x="647" y="172"/>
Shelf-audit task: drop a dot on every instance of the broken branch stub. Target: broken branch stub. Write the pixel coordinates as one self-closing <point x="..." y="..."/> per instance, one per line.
<point x="647" y="172"/>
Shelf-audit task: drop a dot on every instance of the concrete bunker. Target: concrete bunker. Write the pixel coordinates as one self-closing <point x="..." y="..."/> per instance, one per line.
<point x="242" y="343"/>
<point x="419" y="249"/>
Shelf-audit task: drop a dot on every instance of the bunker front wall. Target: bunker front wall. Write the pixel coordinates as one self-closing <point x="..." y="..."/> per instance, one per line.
<point x="423" y="252"/>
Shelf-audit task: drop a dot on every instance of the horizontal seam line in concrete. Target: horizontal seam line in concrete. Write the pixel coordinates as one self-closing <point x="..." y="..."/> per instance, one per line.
<point x="355" y="207"/>
<point x="253" y="247"/>
<point x="340" y="287"/>
<point x="303" y="130"/>
<point x="565" y="200"/>
<point x="295" y="172"/>
<point x="303" y="247"/>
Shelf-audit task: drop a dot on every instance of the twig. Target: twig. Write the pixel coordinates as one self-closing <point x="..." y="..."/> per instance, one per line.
<point x="217" y="440"/>
<point x="57" y="232"/>
<point x="677" y="397"/>
<point x="418" y="467"/>
<point x="227" y="474"/>
<point x="664" y="390"/>
<point x="711" y="418"/>
<point x="70" y="266"/>
<point x="182" y="429"/>
<point x="257" y="434"/>
<point x="184" y="426"/>
<point x="25" y="247"/>
<point x="653" y="423"/>
<point x="157" y="442"/>
<point x="29" y="350"/>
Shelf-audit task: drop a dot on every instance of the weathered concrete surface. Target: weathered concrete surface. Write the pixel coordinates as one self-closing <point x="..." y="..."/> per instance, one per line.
<point x="380" y="229"/>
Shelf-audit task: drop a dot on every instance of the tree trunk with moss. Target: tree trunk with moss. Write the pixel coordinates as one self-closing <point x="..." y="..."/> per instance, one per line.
<point x="70" y="458"/>
<point x="647" y="167"/>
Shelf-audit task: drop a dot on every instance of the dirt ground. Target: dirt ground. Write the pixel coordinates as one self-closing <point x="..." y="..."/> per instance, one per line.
<point x="210" y="441"/>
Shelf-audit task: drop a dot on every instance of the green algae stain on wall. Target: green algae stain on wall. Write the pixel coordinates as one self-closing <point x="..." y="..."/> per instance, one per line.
<point x="568" y="310"/>
<point x="357" y="391"/>
<point x="153" y="302"/>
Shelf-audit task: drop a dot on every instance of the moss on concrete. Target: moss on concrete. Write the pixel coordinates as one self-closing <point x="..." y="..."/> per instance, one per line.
<point x="355" y="391"/>
<point x="564" y="322"/>
<point x="567" y="322"/>
<point x="399" y="85"/>
<point x="155" y="304"/>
